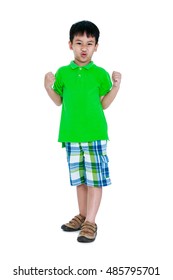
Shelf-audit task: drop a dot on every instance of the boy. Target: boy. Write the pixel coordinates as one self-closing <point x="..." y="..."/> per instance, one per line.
<point x="84" y="90"/>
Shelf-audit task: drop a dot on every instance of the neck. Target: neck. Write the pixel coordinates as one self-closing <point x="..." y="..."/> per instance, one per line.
<point x="80" y="63"/>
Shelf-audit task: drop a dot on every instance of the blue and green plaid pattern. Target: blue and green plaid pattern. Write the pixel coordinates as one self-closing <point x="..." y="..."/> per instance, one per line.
<point x="88" y="163"/>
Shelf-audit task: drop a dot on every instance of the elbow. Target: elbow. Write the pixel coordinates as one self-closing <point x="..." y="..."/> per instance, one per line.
<point x="104" y="106"/>
<point x="58" y="103"/>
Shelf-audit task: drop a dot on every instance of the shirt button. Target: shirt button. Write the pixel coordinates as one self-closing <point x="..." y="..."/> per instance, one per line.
<point x="79" y="75"/>
<point x="80" y="68"/>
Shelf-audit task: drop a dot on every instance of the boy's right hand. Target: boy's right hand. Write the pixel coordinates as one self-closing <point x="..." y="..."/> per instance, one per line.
<point x="49" y="80"/>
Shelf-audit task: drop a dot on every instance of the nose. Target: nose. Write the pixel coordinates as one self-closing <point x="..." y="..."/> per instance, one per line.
<point x="84" y="48"/>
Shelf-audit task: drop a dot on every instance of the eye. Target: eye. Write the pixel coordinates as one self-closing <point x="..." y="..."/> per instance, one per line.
<point x="90" y="43"/>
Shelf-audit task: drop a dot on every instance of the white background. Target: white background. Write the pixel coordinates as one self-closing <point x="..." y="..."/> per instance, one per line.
<point x="135" y="217"/>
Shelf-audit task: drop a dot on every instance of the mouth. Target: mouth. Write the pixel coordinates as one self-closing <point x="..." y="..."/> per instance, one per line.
<point x="83" y="55"/>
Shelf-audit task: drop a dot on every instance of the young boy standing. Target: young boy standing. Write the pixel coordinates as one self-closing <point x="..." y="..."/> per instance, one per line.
<point x="84" y="90"/>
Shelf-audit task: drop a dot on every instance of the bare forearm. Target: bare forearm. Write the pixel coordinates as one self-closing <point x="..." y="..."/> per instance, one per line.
<point x="56" y="98"/>
<point x="108" y="99"/>
<point x="48" y="82"/>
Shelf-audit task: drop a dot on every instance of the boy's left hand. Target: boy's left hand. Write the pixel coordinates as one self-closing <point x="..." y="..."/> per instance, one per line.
<point x="116" y="78"/>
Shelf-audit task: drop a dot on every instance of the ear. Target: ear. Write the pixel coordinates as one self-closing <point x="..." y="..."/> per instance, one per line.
<point x="96" y="47"/>
<point x="70" y="45"/>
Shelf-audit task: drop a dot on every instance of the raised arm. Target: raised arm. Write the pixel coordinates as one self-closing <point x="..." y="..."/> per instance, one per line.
<point x="108" y="98"/>
<point x="48" y="82"/>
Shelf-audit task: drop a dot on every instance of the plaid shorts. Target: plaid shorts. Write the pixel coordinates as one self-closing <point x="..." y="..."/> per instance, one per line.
<point x="88" y="163"/>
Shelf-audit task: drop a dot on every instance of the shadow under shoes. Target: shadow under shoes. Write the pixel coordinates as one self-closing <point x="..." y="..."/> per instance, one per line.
<point x="75" y="224"/>
<point x="88" y="232"/>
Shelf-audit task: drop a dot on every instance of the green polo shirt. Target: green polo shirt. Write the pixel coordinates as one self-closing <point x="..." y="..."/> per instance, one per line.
<point x="82" y="116"/>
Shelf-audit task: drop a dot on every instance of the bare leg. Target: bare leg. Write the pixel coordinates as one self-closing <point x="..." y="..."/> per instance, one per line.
<point x="82" y="191"/>
<point x="89" y="199"/>
<point x="93" y="203"/>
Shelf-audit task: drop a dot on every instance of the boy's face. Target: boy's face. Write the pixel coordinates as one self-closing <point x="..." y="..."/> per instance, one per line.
<point x="83" y="48"/>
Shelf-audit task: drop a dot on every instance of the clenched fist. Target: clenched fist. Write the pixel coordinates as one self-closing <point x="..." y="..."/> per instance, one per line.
<point x="49" y="80"/>
<point x="116" y="78"/>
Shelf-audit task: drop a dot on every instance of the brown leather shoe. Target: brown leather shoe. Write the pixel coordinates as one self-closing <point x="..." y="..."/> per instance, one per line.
<point x="75" y="224"/>
<point x="88" y="232"/>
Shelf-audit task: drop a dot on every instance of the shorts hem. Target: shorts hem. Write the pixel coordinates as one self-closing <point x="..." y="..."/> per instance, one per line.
<point x="90" y="185"/>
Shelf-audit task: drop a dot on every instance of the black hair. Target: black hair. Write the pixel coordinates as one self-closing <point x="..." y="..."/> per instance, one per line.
<point x="82" y="27"/>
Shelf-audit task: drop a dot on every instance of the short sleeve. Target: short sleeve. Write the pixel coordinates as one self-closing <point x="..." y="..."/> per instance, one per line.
<point x="105" y="83"/>
<point x="58" y="84"/>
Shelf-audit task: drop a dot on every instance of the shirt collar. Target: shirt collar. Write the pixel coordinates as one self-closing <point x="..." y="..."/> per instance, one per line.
<point x="88" y="66"/>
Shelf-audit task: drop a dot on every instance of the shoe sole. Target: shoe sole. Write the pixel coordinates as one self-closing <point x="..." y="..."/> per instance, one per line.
<point x="84" y="239"/>
<point x="66" y="228"/>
